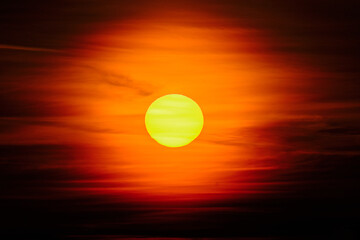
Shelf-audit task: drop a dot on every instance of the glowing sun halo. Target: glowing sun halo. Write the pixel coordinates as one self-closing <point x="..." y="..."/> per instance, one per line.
<point x="174" y="120"/>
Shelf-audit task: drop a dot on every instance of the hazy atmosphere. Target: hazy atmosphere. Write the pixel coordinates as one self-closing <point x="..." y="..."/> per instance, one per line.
<point x="278" y="85"/>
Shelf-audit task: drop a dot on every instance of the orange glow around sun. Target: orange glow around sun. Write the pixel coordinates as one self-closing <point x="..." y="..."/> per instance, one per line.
<point x="123" y="67"/>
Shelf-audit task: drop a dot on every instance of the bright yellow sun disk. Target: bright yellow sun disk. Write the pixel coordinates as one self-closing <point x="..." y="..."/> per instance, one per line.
<point x="174" y="120"/>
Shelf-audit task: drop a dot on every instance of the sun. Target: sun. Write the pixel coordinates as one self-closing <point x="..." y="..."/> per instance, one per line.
<point x="174" y="120"/>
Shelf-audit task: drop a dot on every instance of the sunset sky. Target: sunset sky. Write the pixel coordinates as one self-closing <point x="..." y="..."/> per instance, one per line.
<point x="278" y="83"/>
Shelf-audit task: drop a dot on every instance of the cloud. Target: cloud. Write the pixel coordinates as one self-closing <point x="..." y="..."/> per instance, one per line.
<point x="8" y="125"/>
<point x="118" y="80"/>
<point x="23" y="48"/>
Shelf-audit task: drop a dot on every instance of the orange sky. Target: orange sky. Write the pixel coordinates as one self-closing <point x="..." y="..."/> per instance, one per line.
<point x="278" y="84"/>
<point x="118" y="70"/>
